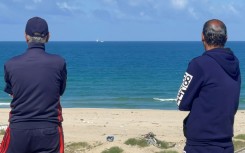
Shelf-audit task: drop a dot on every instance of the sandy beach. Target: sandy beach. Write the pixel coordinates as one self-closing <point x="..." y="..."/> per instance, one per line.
<point x="94" y="125"/>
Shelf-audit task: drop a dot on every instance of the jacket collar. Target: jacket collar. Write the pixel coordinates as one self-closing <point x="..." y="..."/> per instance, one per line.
<point x="36" y="45"/>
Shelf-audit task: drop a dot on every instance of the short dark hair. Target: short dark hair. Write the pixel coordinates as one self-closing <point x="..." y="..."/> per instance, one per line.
<point x="215" y="33"/>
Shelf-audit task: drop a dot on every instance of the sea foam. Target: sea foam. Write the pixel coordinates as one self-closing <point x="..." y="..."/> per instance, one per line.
<point x="165" y="100"/>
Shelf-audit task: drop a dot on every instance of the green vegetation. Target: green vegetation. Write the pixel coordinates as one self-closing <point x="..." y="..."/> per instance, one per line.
<point x="113" y="150"/>
<point x="239" y="142"/>
<point x="167" y="151"/>
<point x="2" y="132"/>
<point x="239" y="145"/>
<point x="240" y="136"/>
<point x="76" y="146"/>
<point x="143" y="143"/>
<point x="165" y="145"/>
<point x="137" y="142"/>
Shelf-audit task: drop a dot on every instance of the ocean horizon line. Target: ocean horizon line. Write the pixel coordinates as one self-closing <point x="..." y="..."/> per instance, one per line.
<point x="102" y="41"/>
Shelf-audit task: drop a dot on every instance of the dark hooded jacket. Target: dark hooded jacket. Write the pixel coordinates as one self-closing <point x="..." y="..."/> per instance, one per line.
<point x="36" y="79"/>
<point x="210" y="91"/>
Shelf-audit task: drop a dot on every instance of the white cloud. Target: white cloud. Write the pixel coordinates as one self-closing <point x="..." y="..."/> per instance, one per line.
<point x="225" y="10"/>
<point x="232" y="9"/>
<point x="193" y="13"/>
<point x="30" y="7"/>
<point x="179" y="4"/>
<point x="33" y="6"/>
<point x="150" y="11"/>
<point x="66" y="6"/>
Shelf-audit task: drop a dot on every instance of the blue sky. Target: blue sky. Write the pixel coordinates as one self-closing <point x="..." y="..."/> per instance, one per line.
<point x="122" y="20"/>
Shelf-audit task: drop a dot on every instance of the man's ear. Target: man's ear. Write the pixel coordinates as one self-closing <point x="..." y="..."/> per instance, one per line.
<point x="203" y="39"/>
<point x="26" y="38"/>
<point x="48" y="36"/>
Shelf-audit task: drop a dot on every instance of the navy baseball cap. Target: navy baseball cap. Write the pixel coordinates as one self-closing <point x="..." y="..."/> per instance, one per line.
<point x="37" y="27"/>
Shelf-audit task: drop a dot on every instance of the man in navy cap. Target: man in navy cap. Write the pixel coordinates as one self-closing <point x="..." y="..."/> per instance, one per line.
<point x="35" y="80"/>
<point x="210" y="91"/>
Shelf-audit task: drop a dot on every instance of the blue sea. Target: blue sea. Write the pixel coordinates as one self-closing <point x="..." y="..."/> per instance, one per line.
<point x="139" y="75"/>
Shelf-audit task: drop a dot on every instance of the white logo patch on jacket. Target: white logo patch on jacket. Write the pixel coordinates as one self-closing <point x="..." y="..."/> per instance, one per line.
<point x="186" y="81"/>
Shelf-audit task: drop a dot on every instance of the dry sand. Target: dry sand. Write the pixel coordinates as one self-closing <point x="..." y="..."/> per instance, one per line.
<point x="94" y="125"/>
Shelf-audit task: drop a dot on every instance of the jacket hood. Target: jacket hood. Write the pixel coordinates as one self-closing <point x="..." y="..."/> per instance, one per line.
<point x="227" y="60"/>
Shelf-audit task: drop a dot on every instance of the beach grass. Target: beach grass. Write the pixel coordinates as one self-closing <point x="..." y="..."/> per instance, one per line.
<point x="240" y="136"/>
<point x="2" y="132"/>
<point x="136" y="142"/>
<point x="113" y="150"/>
<point x="143" y="143"/>
<point x="165" y="145"/>
<point x="238" y="144"/>
<point x="77" y="146"/>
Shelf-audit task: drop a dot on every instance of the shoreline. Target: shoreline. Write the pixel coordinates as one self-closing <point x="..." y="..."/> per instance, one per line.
<point x="93" y="125"/>
<point x="4" y="105"/>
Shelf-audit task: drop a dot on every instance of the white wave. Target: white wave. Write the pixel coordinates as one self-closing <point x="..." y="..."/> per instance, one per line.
<point x="161" y="99"/>
<point x="4" y="104"/>
<point x="3" y="127"/>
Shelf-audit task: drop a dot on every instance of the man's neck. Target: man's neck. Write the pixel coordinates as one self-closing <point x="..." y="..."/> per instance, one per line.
<point x="208" y="47"/>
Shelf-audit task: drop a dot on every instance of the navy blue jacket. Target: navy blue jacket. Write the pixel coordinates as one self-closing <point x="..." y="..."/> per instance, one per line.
<point x="36" y="80"/>
<point x="210" y="91"/>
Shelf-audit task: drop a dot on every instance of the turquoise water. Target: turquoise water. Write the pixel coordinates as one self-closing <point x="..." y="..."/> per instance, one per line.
<point x="121" y="74"/>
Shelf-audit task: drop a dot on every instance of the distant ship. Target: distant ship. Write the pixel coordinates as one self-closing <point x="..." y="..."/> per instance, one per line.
<point x="97" y="40"/>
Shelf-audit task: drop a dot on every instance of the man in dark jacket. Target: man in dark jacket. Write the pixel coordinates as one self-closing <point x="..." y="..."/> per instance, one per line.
<point x="210" y="91"/>
<point x="35" y="80"/>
